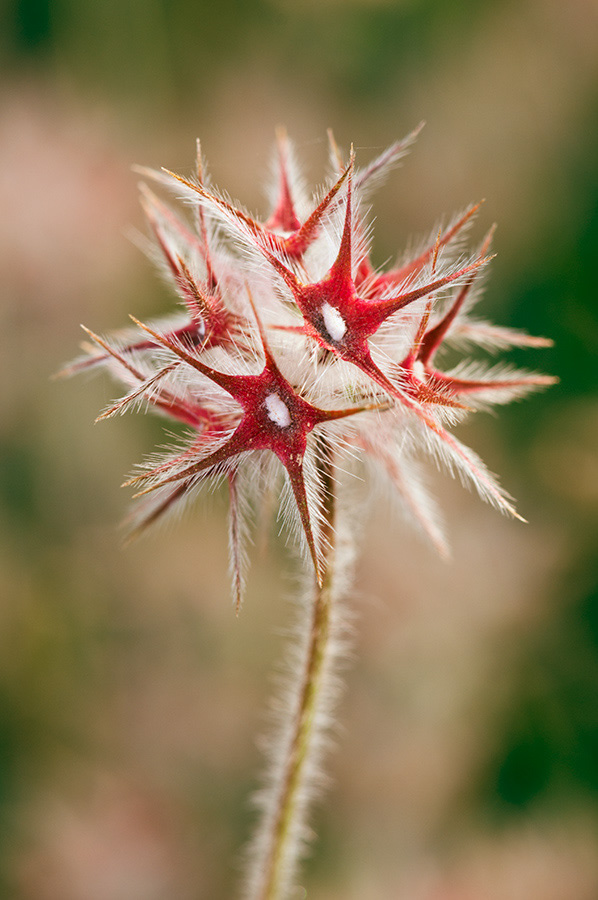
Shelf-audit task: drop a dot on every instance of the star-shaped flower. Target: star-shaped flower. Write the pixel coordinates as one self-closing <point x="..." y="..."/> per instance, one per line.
<point x="332" y="336"/>
<point x="274" y="417"/>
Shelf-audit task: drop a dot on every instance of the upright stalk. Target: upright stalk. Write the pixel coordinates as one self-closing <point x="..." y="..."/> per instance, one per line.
<point x="304" y="717"/>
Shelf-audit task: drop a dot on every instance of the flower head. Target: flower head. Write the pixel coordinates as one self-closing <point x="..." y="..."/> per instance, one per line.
<point x="289" y="334"/>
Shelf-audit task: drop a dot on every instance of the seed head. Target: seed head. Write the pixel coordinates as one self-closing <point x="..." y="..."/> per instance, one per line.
<point x="288" y="330"/>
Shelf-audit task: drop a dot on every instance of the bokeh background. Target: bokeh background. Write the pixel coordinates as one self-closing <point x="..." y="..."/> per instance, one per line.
<point x="130" y="695"/>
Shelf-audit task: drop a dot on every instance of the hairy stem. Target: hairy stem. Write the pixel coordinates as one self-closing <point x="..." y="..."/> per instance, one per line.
<point x="305" y="718"/>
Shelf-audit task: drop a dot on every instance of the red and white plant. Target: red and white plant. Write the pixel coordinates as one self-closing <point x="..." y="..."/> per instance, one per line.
<point x="294" y="364"/>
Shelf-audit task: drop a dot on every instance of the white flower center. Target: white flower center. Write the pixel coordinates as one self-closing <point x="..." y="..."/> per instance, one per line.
<point x="278" y="412"/>
<point x="419" y="370"/>
<point x="334" y="322"/>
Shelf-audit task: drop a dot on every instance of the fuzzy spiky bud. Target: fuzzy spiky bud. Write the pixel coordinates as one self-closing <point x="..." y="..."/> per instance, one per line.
<point x="288" y="331"/>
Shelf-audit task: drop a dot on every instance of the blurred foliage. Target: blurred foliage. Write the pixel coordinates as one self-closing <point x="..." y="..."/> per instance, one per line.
<point x="548" y="745"/>
<point x="556" y="295"/>
<point x="176" y="48"/>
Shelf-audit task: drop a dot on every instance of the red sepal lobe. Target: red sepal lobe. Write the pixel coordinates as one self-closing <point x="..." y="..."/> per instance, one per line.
<point x="274" y="417"/>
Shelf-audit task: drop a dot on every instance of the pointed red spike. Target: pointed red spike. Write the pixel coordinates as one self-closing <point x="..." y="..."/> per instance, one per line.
<point x="171" y="259"/>
<point x="385" y="308"/>
<point x="427" y="313"/>
<point x="335" y="150"/>
<point x="235" y="215"/>
<point x="331" y="414"/>
<point x="162" y="467"/>
<point x="477" y="475"/>
<point x="389" y="156"/>
<point x="294" y="467"/>
<point x="428" y="392"/>
<point x="362" y="358"/>
<point x="144" y="521"/>
<point x="434" y="338"/>
<point x="473" y="386"/>
<point x="283" y="217"/>
<point x="230" y="448"/>
<point x="229" y="383"/>
<point x="198" y="161"/>
<point x="411" y="269"/>
<point x="149" y="200"/>
<point x="289" y="277"/>
<point x="341" y="268"/>
<point x="486" y="243"/>
<point x="413" y="354"/>
<point x="79" y="365"/>
<point x="178" y="267"/>
<point x="208" y="428"/>
<point x="146" y="385"/>
<point x="484" y="333"/>
<point x="293" y="246"/>
<point x="270" y="361"/>
<point x="211" y="278"/>
<point x="296" y="244"/>
<point x="164" y="400"/>
<point x="436" y="249"/>
<point x="159" y="234"/>
<point x="114" y="353"/>
<point x="405" y="393"/>
<point x="197" y="302"/>
<point x="235" y="541"/>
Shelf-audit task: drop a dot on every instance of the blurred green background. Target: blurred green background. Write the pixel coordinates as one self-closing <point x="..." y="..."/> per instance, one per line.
<point x="130" y="695"/>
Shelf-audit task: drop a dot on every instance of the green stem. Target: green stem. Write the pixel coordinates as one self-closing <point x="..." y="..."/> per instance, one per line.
<point x="280" y="845"/>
